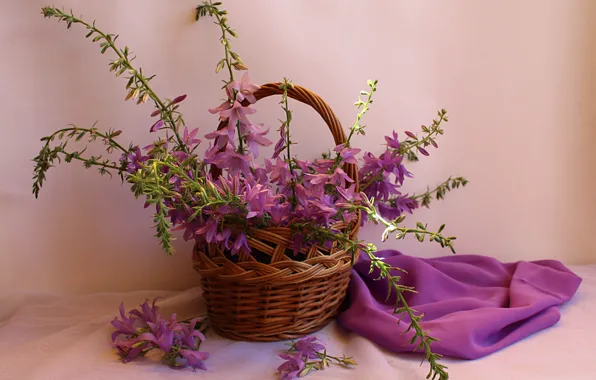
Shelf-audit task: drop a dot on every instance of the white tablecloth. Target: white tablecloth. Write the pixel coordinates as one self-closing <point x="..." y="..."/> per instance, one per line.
<point x="47" y="337"/>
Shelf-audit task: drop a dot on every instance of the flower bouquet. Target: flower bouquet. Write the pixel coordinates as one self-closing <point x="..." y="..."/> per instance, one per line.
<point x="274" y="240"/>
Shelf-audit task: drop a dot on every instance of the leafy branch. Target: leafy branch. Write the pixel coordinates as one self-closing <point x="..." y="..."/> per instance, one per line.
<point x="385" y="273"/>
<point x="47" y="155"/>
<point x="430" y="133"/>
<point x="440" y="191"/>
<point x="231" y="59"/>
<point x="401" y="307"/>
<point x="138" y="84"/>
<point x="363" y="106"/>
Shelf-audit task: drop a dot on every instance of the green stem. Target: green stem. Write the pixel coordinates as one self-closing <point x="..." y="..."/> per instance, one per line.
<point x="55" y="12"/>
<point x="430" y="192"/>
<point x="434" y="131"/>
<point x="356" y="127"/>
<point x="107" y="166"/>
<point x="226" y="46"/>
<point x="91" y="132"/>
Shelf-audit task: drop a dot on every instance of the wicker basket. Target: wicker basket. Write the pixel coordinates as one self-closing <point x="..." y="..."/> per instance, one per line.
<point x="285" y="299"/>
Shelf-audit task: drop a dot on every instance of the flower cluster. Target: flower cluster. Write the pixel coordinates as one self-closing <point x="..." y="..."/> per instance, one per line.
<point x="221" y="195"/>
<point x="305" y="355"/>
<point x="144" y="329"/>
<point x="286" y="192"/>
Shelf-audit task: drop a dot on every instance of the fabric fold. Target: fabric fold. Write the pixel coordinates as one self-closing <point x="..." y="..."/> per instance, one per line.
<point x="474" y="305"/>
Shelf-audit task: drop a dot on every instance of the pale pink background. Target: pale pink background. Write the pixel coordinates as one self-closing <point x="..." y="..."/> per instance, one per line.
<point x="515" y="76"/>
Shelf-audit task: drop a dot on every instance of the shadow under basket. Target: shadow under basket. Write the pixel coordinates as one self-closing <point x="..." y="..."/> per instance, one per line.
<point x="273" y="295"/>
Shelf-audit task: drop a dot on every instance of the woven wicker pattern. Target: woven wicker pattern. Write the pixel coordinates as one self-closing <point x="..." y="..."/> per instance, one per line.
<point x="285" y="298"/>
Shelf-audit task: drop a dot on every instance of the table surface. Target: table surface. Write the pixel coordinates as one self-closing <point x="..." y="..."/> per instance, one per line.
<point x="48" y="336"/>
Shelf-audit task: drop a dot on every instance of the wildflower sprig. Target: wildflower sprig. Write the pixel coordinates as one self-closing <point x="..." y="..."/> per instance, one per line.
<point x="363" y="106"/>
<point x="285" y="124"/>
<point x="231" y="60"/>
<point x="306" y="355"/>
<point x="144" y="329"/>
<point x="415" y="143"/>
<point x="439" y="192"/>
<point x="138" y="84"/>
<point x="48" y="154"/>
<point x="401" y="308"/>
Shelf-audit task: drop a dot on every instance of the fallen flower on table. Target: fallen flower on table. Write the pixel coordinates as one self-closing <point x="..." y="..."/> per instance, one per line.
<point x="144" y="329"/>
<point x="299" y="358"/>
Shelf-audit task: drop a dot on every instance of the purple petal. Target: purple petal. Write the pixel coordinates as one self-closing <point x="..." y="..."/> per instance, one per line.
<point x="157" y="126"/>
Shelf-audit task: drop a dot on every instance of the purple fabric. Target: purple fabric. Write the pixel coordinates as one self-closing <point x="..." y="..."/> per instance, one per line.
<point x="475" y="305"/>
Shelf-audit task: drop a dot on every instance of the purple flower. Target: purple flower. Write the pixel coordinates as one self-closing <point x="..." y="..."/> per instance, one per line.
<point x="255" y="197"/>
<point x="381" y="188"/>
<point x="323" y="166"/>
<point x="189" y="335"/>
<point x="234" y="113"/>
<point x="256" y="139"/>
<point x="134" y="160"/>
<point x="240" y="244"/>
<point x="124" y="326"/>
<point x="208" y="230"/>
<point x="387" y="211"/>
<point x="156" y="126"/>
<point x="222" y="137"/>
<point x="411" y="135"/>
<point x="244" y="90"/>
<point x="405" y="204"/>
<point x="147" y="313"/>
<point x="305" y="166"/>
<point x="281" y="143"/>
<point x="349" y="194"/>
<point x="393" y="142"/>
<point x="317" y="179"/>
<point x="189" y="138"/>
<point x="127" y="353"/>
<point x="340" y="177"/>
<point x="162" y="336"/>
<point x="259" y="175"/>
<point x="279" y="213"/>
<point x="423" y="151"/>
<point x="278" y="172"/>
<point x="347" y="154"/>
<point x="194" y="359"/>
<point x="324" y="208"/>
<point x="292" y="367"/>
<point x="308" y="347"/>
<point x="231" y="160"/>
<point x="396" y="207"/>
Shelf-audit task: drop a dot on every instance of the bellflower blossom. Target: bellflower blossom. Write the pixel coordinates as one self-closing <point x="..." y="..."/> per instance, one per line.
<point x="145" y="329"/>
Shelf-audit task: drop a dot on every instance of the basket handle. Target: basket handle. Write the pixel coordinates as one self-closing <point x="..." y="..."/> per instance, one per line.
<point x="310" y="98"/>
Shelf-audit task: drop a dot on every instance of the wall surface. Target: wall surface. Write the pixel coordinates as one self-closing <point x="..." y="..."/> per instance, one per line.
<point x="515" y="76"/>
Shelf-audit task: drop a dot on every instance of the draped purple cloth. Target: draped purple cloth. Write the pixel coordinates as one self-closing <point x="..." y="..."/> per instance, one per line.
<point x="475" y="305"/>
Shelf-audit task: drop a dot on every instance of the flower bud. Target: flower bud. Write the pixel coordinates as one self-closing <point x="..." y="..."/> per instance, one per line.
<point x="410" y="134"/>
<point x="240" y="66"/>
<point x="178" y="99"/>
